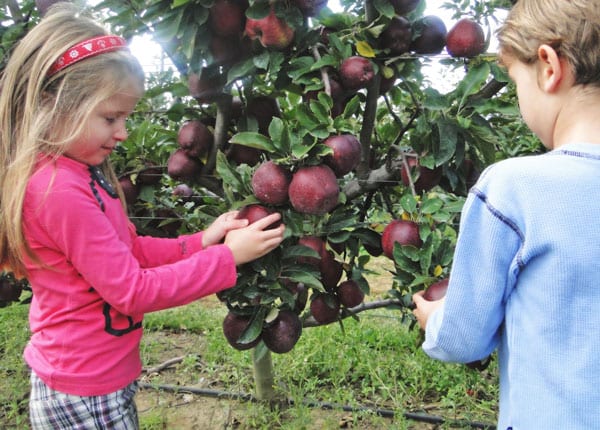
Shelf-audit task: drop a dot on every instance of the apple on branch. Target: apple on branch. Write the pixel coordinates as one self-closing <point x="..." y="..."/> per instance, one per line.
<point x="270" y="183"/>
<point x="271" y="31"/>
<point x="314" y="190"/>
<point x="430" y="34"/>
<point x="465" y="39"/>
<point x="404" y="232"/>
<point x="356" y="72"/>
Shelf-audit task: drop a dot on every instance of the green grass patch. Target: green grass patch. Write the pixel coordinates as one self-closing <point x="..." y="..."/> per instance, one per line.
<point x="372" y="364"/>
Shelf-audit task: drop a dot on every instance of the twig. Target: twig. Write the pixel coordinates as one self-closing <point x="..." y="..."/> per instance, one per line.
<point x="163" y="366"/>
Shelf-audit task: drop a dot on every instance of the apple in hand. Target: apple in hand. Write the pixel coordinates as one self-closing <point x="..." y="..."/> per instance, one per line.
<point x="437" y="290"/>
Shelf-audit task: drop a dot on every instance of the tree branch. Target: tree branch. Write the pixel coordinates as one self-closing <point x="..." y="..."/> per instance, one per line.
<point x="367" y="306"/>
<point x="388" y="172"/>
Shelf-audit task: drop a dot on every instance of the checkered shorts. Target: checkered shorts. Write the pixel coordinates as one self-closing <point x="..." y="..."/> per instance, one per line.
<point x="52" y="410"/>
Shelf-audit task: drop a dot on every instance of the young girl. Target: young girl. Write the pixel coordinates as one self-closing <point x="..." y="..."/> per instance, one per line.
<point x="525" y="277"/>
<point x="65" y="96"/>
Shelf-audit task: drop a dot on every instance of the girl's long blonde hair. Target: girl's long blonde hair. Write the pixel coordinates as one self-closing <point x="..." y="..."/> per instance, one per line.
<point x="40" y="114"/>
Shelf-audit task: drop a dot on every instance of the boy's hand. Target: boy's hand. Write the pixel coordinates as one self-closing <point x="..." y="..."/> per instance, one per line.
<point x="220" y="226"/>
<point x="424" y="308"/>
<point x="253" y="241"/>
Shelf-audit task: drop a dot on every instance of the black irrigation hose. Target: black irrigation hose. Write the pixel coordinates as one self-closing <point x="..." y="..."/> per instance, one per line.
<point x="386" y="413"/>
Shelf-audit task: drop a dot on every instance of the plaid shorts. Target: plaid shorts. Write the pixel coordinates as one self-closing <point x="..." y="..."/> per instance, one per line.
<point x="52" y="410"/>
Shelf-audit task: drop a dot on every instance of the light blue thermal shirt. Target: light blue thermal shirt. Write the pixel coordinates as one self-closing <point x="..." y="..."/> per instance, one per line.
<point x="526" y="280"/>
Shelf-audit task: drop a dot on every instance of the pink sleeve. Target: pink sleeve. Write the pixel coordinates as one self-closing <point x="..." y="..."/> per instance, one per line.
<point x="154" y="251"/>
<point x="99" y="252"/>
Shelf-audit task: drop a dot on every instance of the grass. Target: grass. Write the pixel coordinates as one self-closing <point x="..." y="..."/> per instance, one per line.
<point x="375" y="362"/>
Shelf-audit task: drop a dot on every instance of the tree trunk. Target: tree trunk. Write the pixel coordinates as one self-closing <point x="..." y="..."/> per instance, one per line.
<point x="263" y="373"/>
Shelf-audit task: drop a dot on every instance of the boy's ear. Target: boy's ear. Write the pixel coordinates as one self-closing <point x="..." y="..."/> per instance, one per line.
<point x="551" y="72"/>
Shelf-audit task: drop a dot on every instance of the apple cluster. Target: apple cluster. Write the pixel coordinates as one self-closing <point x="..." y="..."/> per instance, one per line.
<point x="308" y="186"/>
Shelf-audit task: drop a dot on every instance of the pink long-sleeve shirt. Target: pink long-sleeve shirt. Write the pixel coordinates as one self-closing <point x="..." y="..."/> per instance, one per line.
<point x="97" y="278"/>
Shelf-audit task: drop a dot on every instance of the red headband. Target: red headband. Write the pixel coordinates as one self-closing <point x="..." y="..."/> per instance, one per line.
<point x="87" y="48"/>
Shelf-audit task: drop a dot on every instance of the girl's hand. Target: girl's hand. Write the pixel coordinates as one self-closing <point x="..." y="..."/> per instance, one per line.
<point x="221" y="226"/>
<point x="253" y="241"/>
<point x="424" y="308"/>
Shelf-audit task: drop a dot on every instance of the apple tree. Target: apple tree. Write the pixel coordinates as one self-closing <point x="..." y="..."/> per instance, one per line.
<point x="327" y="115"/>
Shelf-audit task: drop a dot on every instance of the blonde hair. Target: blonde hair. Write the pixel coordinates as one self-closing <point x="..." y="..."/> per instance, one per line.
<point x="41" y="114"/>
<point x="571" y="27"/>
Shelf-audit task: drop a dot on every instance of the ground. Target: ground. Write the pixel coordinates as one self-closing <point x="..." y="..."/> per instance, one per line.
<point x="188" y="411"/>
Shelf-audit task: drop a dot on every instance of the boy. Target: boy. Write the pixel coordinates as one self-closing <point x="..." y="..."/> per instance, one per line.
<point x="527" y="262"/>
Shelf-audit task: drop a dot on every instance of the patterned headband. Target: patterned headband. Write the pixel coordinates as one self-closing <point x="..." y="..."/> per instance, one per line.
<point x="87" y="48"/>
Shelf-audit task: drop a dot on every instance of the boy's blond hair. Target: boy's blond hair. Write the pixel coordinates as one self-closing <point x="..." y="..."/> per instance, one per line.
<point x="41" y="114"/>
<point x="571" y="27"/>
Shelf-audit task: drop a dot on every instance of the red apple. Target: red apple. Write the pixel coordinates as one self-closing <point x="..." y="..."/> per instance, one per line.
<point x="437" y="290"/>
<point x="281" y="335"/>
<point x="315" y="243"/>
<point x="271" y="31"/>
<point x="314" y="190"/>
<point x="241" y="154"/>
<point x="350" y="293"/>
<point x="325" y="308"/>
<point x="402" y="231"/>
<point x="227" y="50"/>
<point x="423" y="177"/>
<point x="465" y="39"/>
<point x="150" y="174"/>
<point x="331" y="270"/>
<point x="184" y="191"/>
<point x="270" y="183"/>
<point x="431" y="35"/>
<point x="207" y="85"/>
<point x="183" y="167"/>
<point x="397" y="36"/>
<point x="131" y="191"/>
<point x="256" y="212"/>
<point x="228" y="17"/>
<point x="195" y="138"/>
<point x="356" y="72"/>
<point x="233" y="327"/>
<point x="346" y="153"/>
<point x="263" y="109"/>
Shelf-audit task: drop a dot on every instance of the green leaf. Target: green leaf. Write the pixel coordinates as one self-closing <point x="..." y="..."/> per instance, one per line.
<point x="168" y="28"/>
<point x="434" y="100"/>
<point x="306" y="278"/>
<point x="448" y="134"/>
<point x="239" y="70"/>
<point x="280" y="135"/>
<point x="262" y="60"/>
<point x="321" y="111"/>
<point x="324" y="61"/>
<point x="258" y="10"/>
<point x="472" y="82"/>
<point x="292" y="252"/>
<point x="254" y="328"/>
<point x="385" y="8"/>
<point x="408" y="203"/>
<point x="430" y="206"/>
<point x="228" y="174"/>
<point x="177" y="3"/>
<point x="253" y="140"/>
<point x="301" y="148"/>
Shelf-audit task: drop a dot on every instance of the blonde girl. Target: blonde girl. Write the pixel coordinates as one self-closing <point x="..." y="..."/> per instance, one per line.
<point x="66" y="93"/>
